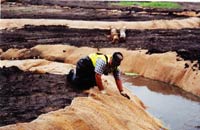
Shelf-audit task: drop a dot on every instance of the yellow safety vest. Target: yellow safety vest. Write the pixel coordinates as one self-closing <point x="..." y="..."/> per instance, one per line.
<point x="95" y="56"/>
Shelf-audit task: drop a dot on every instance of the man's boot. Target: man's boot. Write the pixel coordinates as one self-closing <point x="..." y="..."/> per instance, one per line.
<point x="70" y="75"/>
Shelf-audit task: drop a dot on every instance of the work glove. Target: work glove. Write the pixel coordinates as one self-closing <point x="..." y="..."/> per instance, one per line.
<point x="124" y="94"/>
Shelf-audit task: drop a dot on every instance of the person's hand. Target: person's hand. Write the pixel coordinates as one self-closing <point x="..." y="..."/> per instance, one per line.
<point x="103" y="91"/>
<point x="124" y="94"/>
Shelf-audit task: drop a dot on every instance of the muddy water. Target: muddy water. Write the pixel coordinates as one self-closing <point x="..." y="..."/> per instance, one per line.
<point x="177" y="109"/>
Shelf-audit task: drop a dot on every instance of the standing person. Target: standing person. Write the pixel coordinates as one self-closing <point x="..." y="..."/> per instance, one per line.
<point x="90" y="69"/>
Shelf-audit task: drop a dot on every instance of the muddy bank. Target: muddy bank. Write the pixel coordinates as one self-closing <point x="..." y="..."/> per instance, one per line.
<point x="184" y="41"/>
<point x="104" y="11"/>
<point x="24" y="95"/>
<point x="106" y="111"/>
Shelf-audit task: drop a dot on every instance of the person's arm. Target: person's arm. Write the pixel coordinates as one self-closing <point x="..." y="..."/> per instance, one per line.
<point x="120" y="88"/>
<point x="99" y="81"/>
<point x="99" y="68"/>
<point x="119" y="83"/>
<point x="116" y="74"/>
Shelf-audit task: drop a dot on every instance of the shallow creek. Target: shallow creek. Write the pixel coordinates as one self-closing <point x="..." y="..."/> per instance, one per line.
<point x="179" y="110"/>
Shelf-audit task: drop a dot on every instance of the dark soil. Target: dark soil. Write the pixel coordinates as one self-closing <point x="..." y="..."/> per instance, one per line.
<point x="84" y="11"/>
<point x="184" y="41"/>
<point x="91" y="4"/>
<point x="24" y="95"/>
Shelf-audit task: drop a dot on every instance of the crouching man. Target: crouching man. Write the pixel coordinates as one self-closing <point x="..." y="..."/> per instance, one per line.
<point x="90" y="69"/>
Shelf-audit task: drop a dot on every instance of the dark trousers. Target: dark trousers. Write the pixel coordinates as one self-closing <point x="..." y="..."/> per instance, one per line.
<point x="85" y="75"/>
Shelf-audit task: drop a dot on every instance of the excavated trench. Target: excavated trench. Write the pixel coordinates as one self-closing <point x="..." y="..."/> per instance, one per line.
<point x="26" y="95"/>
<point x="178" y="109"/>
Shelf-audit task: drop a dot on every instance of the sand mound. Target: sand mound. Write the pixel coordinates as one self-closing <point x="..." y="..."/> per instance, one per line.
<point x="38" y="65"/>
<point x="106" y="112"/>
<point x="193" y="22"/>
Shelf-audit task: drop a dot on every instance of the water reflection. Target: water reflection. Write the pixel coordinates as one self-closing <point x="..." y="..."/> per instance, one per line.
<point x="178" y="109"/>
<point x="160" y="87"/>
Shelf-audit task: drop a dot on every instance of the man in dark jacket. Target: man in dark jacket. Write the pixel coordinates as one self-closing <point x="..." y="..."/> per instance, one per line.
<point x="90" y="69"/>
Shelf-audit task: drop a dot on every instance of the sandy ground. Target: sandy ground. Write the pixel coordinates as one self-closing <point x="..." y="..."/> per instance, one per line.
<point x="157" y="24"/>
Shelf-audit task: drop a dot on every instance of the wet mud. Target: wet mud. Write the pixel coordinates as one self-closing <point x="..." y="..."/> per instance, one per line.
<point x="184" y="41"/>
<point x="25" y="95"/>
<point x="103" y="11"/>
